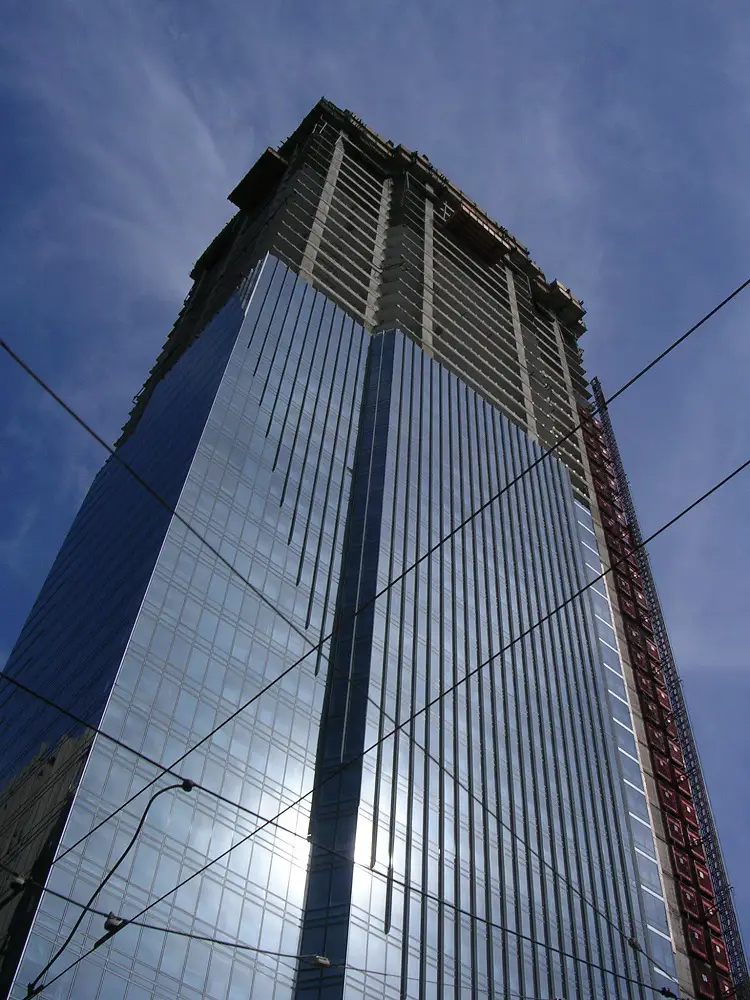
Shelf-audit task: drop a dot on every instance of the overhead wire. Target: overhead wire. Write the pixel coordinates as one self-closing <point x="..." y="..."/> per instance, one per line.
<point x="172" y="931"/>
<point x="390" y="583"/>
<point x="426" y="708"/>
<point x="240" y="946"/>
<point x="185" y="786"/>
<point x="321" y="961"/>
<point x="309" y="841"/>
<point x="546" y="617"/>
<point x="372" y="871"/>
<point x="447" y="771"/>
<point x="172" y="509"/>
<point x="318" y="647"/>
<point x="612" y="923"/>
<point x="267" y="952"/>
<point x="501" y="993"/>
<point x="491" y="925"/>
<point x="257" y="816"/>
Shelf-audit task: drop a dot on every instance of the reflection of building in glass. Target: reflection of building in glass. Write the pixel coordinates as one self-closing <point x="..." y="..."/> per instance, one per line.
<point x="33" y="808"/>
<point x="364" y="361"/>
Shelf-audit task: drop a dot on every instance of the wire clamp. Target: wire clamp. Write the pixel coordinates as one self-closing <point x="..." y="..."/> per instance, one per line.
<point x="112" y="925"/>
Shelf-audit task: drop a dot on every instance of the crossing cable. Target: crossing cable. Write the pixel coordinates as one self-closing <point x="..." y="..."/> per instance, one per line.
<point x="237" y="945"/>
<point x="391" y="583"/>
<point x="257" y="816"/>
<point x="387" y="587"/>
<point x="407" y="886"/>
<point x="440" y="764"/>
<point x="605" y="916"/>
<point x="324" y="963"/>
<point x="426" y="708"/>
<point x="318" y="647"/>
<point x="185" y="786"/>
<point x="318" y="960"/>
<point x="410" y="736"/>
<point x="501" y="992"/>
<point x="150" y="489"/>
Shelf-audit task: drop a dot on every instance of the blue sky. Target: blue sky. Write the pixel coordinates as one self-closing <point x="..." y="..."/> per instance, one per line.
<point x="611" y="139"/>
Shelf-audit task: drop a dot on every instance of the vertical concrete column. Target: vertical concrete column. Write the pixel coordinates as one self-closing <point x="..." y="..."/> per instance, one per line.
<point x="525" y="382"/>
<point x="428" y="276"/>
<point x="378" y="255"/>
<point x="568" y="382"/>
<point x="321" y="212"/>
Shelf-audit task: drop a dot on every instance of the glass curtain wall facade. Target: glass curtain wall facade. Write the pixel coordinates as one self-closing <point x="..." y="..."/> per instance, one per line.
<point x="74" y="638"/>
<point x="267" y="487"/>
<point x="492" y="837"/>
<point x="488" y="848"/>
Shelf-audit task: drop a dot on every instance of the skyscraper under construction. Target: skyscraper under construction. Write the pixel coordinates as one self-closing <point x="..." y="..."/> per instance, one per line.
<point x="355" y="725"/>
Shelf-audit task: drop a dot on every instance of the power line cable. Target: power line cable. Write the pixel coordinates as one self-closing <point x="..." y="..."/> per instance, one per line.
<point x="185" y="786"/>
<point x="318" y="647"/>
<point x="321" y="961"/>
<point x="228" y="943"/>
<point x="454" y="777"/>
<point x="407" y="886"/>
<point x="438" y="763"/>
<point x="429" y="705"/>
<point x="386" y="876"/>
<point x="500" y="993"/>
<point x="404" y="885"/>
<point x="391" y="583"/>
<point x="425" y="708"/>
<point x="501" y="823"/>
<point x="113" y="453"/>
<point x="117" y="924"/>
<point x="238" y="945"/>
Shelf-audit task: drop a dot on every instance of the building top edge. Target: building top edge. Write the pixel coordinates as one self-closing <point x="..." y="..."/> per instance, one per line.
<point x="392" y="157"/>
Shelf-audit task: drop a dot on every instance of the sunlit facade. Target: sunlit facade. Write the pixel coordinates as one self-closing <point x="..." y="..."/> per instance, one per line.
<point x="480" y="835"/>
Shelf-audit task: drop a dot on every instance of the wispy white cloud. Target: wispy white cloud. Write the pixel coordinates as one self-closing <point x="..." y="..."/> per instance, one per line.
<point x="155" y="115"/>
<point x="141" y="174"/>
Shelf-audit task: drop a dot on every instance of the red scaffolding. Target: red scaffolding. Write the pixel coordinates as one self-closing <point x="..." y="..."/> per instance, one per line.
<point x="715" y="946"/>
